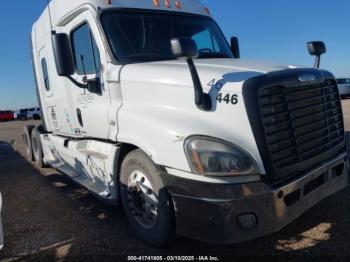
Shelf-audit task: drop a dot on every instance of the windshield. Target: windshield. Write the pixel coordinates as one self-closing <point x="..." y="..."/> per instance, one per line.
<point x="135" y="36"/>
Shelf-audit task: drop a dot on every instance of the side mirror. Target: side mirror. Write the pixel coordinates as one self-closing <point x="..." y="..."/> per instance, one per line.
<point x="187" y="48"/>
<point x="63" y="54"/>
<point x="235" y="47"/>
<point x="184" y="48"/>
<point x="94" y="86"/>
<point x="317" y="49"/>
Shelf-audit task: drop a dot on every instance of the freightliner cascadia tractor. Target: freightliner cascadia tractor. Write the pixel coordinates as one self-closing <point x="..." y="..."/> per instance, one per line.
<point x="147" y="105"/>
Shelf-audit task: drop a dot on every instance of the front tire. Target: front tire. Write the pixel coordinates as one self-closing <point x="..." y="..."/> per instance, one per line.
<point x="146" y="202"/>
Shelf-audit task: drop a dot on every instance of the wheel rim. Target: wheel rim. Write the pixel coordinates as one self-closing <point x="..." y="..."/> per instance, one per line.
<point x="143" y="202"/>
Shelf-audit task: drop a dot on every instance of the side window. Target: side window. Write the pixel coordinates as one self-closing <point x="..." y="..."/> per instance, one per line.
<point x="45" y="74"/>
<point x="85" y="51"/>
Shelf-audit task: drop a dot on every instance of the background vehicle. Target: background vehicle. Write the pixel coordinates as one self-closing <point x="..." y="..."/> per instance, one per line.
<point x="344" y="87"/>
<point x="22" y="114"/>
<point x="34" y="113"/>
<point x="29" y="113"/>
<point x="147" y="105"/>
<point x="6" y="115"/>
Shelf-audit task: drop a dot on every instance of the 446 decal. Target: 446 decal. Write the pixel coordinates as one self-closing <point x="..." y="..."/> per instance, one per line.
<point x="223" y="98"/>
<point x="227" y="98"/>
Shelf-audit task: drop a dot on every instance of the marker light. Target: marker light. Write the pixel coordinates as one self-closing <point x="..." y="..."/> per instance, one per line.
<point x="167" y="3"/>
<point x="178" y="4"/>
<point x="109" y="2"/>
<point x="207" y="10"/>
<point x="156" y="3"/>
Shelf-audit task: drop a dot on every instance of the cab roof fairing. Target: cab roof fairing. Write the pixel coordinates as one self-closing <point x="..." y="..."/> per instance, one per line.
<point x="61" y="9"/>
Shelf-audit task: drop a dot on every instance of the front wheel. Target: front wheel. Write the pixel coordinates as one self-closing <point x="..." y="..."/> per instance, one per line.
<point x="146" y="202"/>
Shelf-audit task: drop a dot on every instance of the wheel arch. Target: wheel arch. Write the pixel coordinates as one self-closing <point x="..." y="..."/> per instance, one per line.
<point x="125" y="149"/>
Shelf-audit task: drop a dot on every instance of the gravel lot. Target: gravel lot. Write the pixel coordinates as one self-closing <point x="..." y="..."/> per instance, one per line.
<point x="47" y="217"/>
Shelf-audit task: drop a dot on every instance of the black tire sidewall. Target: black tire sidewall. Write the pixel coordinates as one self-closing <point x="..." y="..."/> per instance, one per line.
<point x="163" y="230"/>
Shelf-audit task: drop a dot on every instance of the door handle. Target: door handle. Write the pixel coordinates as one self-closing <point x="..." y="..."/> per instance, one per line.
<point x="80" y="118"/>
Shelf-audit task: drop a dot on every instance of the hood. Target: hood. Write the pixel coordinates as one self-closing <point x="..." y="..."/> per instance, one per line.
<point x="164" y="93"/>
<point x="210" y="71"/>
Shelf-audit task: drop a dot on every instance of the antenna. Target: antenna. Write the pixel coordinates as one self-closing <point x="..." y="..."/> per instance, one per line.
<point x="48" y="7"/>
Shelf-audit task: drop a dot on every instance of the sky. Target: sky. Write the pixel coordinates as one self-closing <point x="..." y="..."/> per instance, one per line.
<point x="272" y="31"/>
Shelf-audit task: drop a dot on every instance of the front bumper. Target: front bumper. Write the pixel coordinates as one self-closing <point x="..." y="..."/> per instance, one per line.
<point x="210" y="212"/>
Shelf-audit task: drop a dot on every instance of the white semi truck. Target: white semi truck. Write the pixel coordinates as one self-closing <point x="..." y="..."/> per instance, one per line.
<point x="146" y="104"/>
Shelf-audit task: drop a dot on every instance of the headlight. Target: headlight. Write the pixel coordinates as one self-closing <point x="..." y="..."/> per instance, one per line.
<point x="211" y="157"/>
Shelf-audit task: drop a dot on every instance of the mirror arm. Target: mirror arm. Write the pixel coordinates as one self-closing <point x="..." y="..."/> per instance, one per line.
<point x="83" y="86"/>
<point x="202" y="100"/>
<point x="317" y="61"/>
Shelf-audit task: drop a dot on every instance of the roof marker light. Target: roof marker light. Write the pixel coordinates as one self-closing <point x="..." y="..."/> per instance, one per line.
<point x="109" y="2"/>
<point x="207" y="11"/>
<point x="167" y="3"/>
<point x="156" y="3"/>
<point x="178" y="4"/>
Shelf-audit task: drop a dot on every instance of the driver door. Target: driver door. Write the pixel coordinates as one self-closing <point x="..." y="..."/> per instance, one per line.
<point x="90" y="109"/>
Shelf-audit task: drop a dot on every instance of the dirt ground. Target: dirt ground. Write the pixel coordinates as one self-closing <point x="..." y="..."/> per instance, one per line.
<point x="47" y="217"/>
